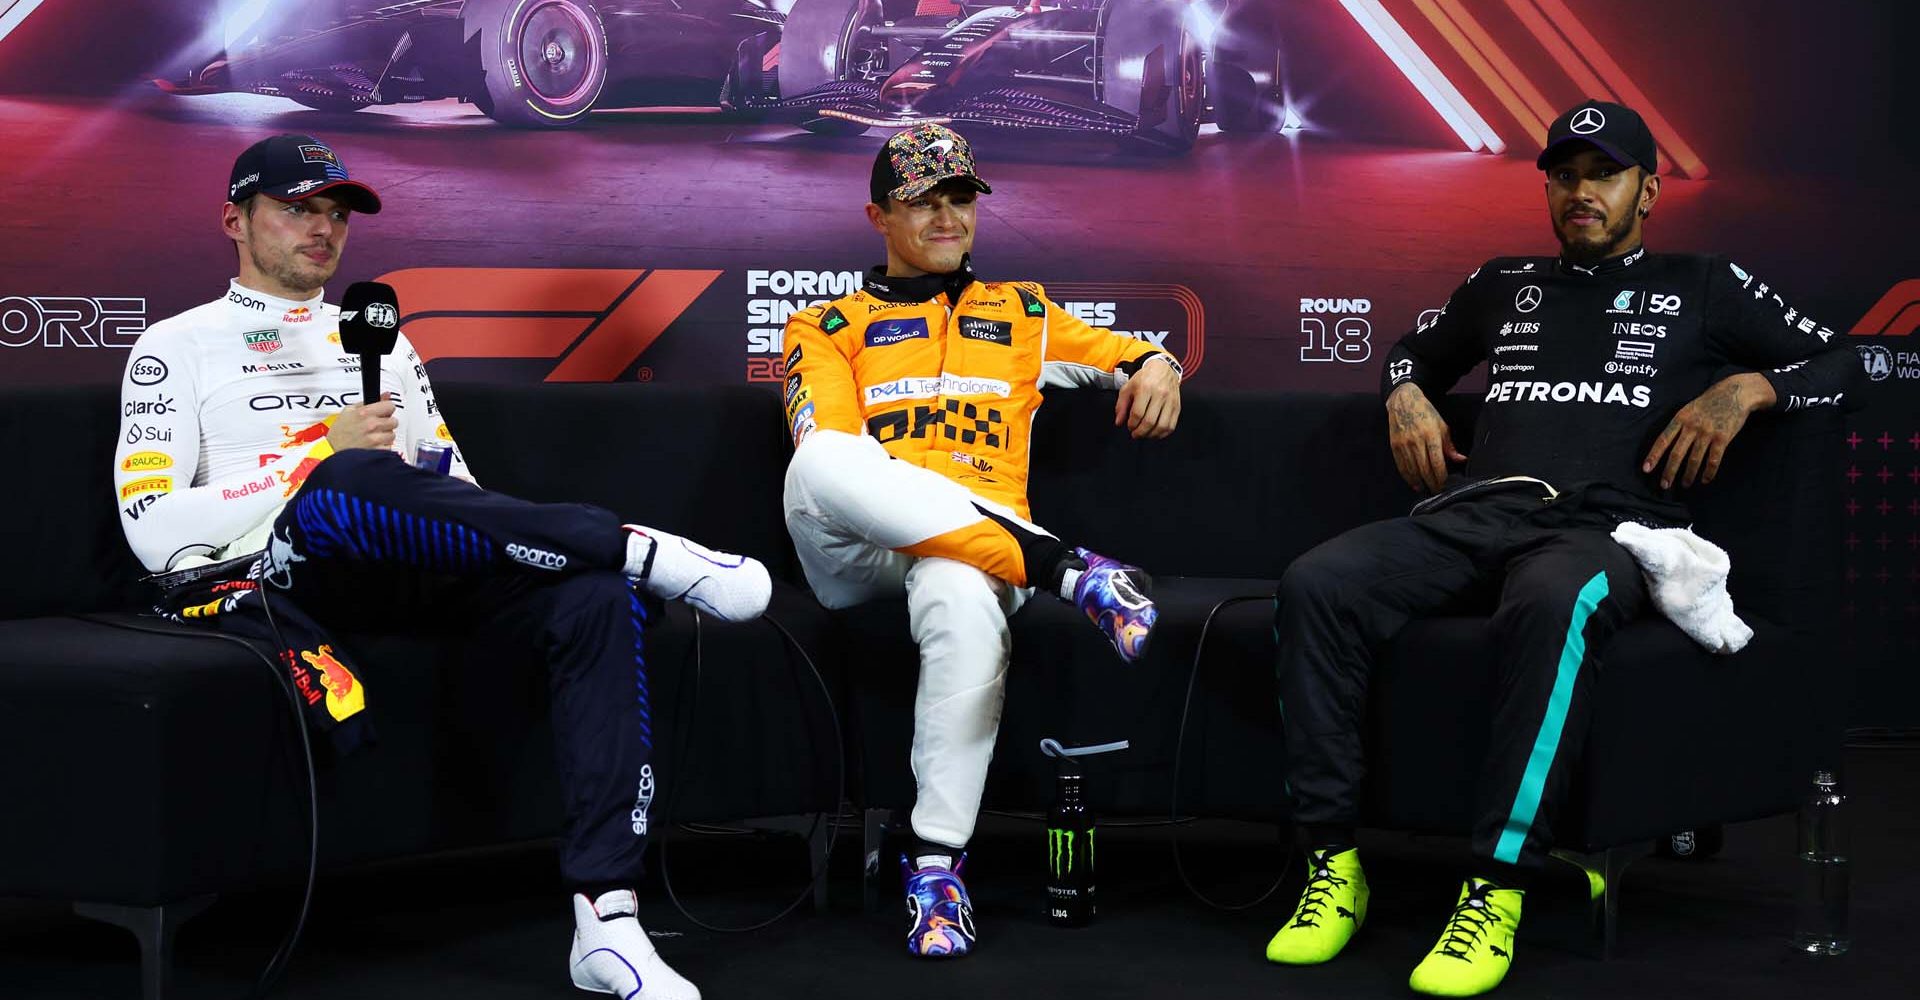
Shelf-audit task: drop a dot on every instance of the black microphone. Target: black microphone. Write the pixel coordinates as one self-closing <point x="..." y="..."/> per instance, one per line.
<point x="369" y="325"/>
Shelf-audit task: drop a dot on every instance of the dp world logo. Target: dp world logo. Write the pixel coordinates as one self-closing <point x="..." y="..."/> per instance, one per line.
<point x="1528" y="300"/>
<point x="382" y="315"/>
<point x="1588" y="121"/>
<point x="1877" y="360"/>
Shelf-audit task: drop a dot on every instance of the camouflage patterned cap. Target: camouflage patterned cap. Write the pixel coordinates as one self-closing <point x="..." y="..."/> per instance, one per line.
<point x="915" y="160"/>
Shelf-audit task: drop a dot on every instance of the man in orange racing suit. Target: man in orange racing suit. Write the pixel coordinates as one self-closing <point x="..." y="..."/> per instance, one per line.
<point x="911" y="404"/>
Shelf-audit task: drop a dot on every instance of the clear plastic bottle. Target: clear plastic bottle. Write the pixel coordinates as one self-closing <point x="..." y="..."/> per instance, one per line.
<point x="1820" y="921"/>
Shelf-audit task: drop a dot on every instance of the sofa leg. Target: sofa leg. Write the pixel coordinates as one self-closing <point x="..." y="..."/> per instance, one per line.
<point x="155" y="928"/>
<point x="873" y="836"/>
<point x="1604" y="871"/>
<point x="816" y="830"/>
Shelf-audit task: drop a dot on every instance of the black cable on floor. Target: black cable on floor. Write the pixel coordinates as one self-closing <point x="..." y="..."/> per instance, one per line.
<point x="840" y="790"/>
<point x="277" y="965"/>
<point x="1179" y="749"/>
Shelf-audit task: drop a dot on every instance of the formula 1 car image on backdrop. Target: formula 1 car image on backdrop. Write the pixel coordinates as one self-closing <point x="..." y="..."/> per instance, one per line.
<point x="1148" y="70"/>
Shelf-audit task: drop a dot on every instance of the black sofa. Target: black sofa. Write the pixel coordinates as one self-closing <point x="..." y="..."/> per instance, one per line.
<point x="1680" y="739"/>
<point x="152" y="772"/>
<point x="149" y="773"/>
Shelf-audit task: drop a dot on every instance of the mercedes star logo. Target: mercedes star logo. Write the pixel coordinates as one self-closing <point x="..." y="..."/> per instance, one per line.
<point x="1528" y="300"/>
<point x="1588" y="121"/>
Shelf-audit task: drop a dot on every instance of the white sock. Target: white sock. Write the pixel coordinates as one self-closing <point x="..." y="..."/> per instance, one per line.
<point x="933" y="861"/>
<point x="730" y="587"/>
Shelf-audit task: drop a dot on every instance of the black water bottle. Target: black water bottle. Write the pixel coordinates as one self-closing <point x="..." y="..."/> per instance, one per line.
<point x="1070" y="888"/>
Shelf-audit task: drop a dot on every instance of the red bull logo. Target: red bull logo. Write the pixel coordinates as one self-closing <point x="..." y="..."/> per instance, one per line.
<point x="306" y="435"/>
<point x="344" y="695"/>
<point x="299" y="314"/>
<point x="299" y="475"/>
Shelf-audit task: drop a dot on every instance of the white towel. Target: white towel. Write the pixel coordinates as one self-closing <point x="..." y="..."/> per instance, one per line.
<point x="1687" y="576"/>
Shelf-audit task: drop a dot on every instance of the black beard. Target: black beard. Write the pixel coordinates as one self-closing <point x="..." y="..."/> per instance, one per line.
<point x="1587" y="253"/>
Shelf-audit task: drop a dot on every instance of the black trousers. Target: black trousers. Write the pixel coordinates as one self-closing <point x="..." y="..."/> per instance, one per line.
<point x="1558" y="586"/>
<point x="371" y="543"/>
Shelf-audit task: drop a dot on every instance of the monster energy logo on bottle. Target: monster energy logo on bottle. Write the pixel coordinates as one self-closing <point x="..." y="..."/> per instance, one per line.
<point x="1060" y="846"/>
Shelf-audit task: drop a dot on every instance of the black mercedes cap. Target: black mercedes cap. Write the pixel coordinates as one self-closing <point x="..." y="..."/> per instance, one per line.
<point x="290" y="167"/>
<point x="1613" y="128"/>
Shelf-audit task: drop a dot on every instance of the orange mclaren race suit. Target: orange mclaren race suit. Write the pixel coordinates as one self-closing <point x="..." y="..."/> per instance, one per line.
<point x="911" y="404"/>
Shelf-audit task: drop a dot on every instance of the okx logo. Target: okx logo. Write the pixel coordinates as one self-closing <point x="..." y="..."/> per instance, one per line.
<point x="596" y="322"/>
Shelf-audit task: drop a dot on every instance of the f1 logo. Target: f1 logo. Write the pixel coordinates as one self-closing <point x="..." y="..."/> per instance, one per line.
<point x="596" y="321"/>
<point x="1897" y="314"/>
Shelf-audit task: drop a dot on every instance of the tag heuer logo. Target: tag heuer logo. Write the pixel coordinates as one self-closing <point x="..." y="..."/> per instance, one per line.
<point x="264" y="341"/>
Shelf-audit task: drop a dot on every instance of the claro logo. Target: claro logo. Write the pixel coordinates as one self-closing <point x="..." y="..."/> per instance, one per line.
<point x="597" y="322"/>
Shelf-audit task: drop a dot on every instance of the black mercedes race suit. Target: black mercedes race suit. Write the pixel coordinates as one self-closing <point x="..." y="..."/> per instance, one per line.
<point x="1588" y="365"/>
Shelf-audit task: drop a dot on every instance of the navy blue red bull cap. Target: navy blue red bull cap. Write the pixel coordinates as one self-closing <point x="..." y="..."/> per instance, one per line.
<point x="290" y="167"/>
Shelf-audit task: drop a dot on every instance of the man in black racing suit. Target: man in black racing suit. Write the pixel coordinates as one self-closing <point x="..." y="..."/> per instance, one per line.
<point x="1615" y="375"/>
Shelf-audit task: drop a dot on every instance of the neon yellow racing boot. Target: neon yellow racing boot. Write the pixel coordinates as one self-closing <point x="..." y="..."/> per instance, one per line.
<point x="1476" y="949"/>
<point x="1332" y="908"/>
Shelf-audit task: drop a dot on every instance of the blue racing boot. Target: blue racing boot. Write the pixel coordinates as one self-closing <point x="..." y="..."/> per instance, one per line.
<point x="1113" y="595"/>
<point x="938" y="909"/>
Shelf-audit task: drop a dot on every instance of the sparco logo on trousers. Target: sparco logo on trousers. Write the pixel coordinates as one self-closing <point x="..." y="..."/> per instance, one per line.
<point x="642" y="801"/>
<point x="537" y="558"/>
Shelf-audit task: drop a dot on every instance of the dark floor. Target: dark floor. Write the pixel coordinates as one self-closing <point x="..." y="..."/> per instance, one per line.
<point x="492" y="926"/>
